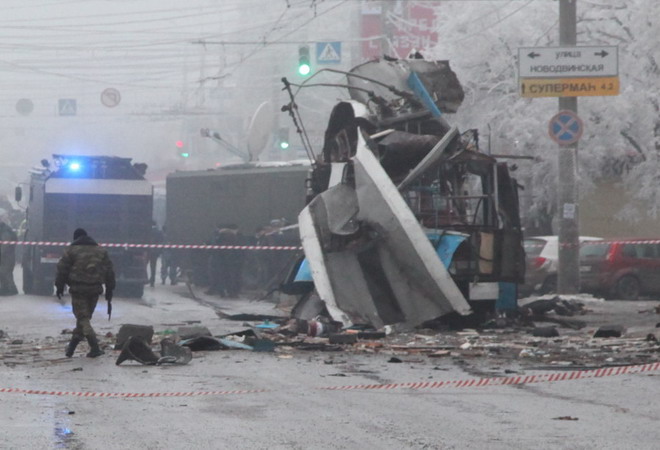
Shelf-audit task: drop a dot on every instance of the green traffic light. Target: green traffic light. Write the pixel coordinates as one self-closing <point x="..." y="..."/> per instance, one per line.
<point x="185" y="154"/>
<point x="284" y="145"/>
<point x="304" y="66"/>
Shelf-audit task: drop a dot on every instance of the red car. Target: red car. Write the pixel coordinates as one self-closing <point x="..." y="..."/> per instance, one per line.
<point x="620" y="268"/>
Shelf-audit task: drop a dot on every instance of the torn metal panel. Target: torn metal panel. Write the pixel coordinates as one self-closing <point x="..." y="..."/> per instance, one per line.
<point x="313" y="251"/>
<point x="433" y="157"/>
<point x="399" y="151"/>
<point x="430" y="290"/>
<point x="384" y="272"/>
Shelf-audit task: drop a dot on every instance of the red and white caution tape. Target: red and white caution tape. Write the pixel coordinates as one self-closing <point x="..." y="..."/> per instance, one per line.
<point x="507" y="381"/>
<point x="127" y="394"/>
<point x="601" y="242"/>
<point x="457" y="384"/>
<point x="263" y="247"/>
<point x="177" y="246"/>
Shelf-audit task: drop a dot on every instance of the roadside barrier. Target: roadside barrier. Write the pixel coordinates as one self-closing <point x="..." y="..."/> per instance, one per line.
<point x="450" y="384"/>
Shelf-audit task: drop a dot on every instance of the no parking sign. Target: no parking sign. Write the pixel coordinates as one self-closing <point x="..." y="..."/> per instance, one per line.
<point x="565" y="127"/>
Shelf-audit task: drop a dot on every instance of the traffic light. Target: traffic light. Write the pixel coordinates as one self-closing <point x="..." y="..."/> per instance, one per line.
<point x="304" y="65"/>
<point x="283" y="138"/>
<point x="182" y="151"/>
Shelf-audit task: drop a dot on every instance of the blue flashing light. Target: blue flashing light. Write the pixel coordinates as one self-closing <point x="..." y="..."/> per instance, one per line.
<point x="74" y="166"/>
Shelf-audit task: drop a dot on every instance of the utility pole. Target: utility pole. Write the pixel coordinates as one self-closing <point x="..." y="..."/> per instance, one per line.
<point x="569" y="246"/>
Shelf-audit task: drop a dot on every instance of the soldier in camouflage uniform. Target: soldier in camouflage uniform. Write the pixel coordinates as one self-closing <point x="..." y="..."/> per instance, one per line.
<point x="85" y="267"/>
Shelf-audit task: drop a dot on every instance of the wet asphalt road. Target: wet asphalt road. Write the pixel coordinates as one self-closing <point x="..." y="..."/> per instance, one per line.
<point x="293" y="411"/>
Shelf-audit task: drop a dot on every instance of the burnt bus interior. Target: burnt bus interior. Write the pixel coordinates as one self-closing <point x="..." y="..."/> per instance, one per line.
<point x="450" y="187"/>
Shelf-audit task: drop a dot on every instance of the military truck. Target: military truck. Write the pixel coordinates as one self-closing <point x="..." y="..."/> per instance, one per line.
<point x="249" y="195"/>
<point x="106" y="195"/>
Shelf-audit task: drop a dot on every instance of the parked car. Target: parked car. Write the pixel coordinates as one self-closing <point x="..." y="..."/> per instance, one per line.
<point x="542" y="257"/>
<point x="621" y="268"/>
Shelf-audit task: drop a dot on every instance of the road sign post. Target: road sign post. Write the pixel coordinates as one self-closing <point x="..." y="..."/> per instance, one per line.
<point x="568" y="272"/>
<point x="568" y="72"/>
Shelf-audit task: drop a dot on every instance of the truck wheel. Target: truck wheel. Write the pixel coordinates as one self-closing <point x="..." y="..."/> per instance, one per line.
<point x="627" y="288"/>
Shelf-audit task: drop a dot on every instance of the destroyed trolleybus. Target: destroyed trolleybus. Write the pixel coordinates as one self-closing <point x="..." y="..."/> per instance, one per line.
<point x="408" y="221"/>
<point x="107" y="196"/>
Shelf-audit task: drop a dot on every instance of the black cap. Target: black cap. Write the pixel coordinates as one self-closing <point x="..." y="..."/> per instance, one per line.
<point x="78" y="233"/>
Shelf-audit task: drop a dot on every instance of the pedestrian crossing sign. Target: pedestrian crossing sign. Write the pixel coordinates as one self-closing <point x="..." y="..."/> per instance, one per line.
<point x="67" y="107"/>
<point x="328" y="52"/>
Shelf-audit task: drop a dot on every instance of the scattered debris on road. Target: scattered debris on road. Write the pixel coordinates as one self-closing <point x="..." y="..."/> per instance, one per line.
<point x="608" y="331"/>
<point x="146" y="332"/>
<point x="540" y="340"/>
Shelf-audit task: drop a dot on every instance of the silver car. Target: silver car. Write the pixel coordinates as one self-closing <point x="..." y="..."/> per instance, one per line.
<point x="542" y="259"/>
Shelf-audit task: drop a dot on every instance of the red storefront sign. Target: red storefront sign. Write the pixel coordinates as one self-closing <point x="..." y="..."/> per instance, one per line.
<point x="409" y="25"/>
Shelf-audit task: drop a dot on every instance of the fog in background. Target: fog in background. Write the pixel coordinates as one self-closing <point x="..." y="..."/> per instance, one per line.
<point x="178" y="67"/>
<point x="183" y="66"/>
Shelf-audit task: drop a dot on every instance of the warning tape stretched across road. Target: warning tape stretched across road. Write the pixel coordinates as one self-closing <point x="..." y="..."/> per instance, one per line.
<point x="178" y="246"/>
<point x="266" y="247"/>
<point x="127" y="394"/>
<point x="597" y="242"/>
<point x="508" y="381"/>
<point x="459" y="384"/>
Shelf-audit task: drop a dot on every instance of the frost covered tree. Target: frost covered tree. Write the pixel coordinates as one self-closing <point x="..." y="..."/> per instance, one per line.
<point x="622" y="133"/>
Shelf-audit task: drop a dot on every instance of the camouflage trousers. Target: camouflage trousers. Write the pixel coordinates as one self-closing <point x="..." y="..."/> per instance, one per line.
<point x="84" y="305"/>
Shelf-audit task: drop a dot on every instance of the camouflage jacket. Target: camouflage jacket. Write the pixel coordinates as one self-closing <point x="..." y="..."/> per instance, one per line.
<point x="84" y="266"/>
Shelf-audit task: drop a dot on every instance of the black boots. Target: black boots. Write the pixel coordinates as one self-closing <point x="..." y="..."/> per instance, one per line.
<point x="95" y="350"/>
<point x="73" y="343"/>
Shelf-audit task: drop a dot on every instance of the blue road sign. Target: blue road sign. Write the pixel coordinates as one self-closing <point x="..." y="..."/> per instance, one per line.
<point x="328" y="52"/>
<point x="565" y="128"/>
<point x="67" y="107"/>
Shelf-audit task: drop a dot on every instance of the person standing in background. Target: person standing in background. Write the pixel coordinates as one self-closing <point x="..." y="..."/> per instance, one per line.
<point x="156" y="237"/>
<point x="7" y="260"/>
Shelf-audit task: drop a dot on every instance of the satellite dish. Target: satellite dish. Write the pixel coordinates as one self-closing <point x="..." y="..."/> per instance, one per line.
<point x="260" y="130"/>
